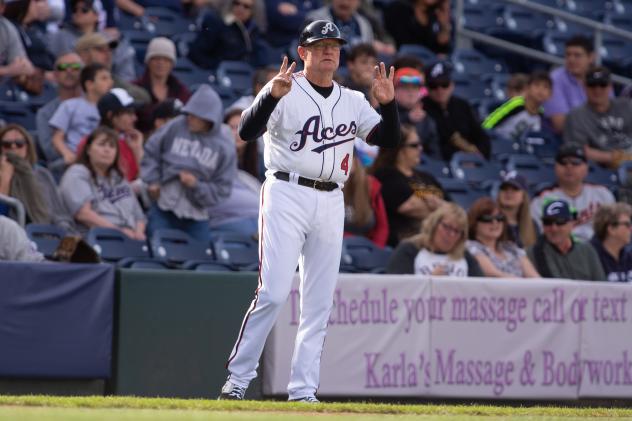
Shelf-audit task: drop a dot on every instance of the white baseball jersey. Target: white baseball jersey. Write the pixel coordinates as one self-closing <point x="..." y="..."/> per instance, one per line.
<point x="314" y="136"/>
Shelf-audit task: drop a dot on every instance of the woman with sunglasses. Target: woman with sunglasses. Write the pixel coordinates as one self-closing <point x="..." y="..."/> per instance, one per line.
<point x="96" y="192"/>
<point x="409" y="194"/>
<point x="488" y="242"/>
<point x="438" y="249"/>
<point x="612" y="225"/>
<point x="238" y="35"/>
<point x="23" y="179"/>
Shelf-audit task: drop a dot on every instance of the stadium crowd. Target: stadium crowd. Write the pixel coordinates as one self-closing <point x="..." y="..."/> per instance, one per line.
<point x="119" y="137"/>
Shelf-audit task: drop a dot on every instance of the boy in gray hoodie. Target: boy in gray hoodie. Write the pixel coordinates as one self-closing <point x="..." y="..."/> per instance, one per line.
<point x="189" y="165"/>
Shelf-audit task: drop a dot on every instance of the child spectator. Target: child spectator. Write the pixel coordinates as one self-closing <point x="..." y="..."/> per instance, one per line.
<point x="75" y="118"/>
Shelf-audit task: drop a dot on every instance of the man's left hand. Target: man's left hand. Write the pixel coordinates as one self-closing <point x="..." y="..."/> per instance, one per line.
<point x="188" y="179"/>
<point x="383" y="89"/>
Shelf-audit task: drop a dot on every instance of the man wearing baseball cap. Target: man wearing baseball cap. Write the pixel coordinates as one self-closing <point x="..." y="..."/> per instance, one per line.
<point x="556" y="254"/>
<point x="571" y="168"/>
<point x="459" y="128"/>
<point x="603" y="125"/>
<point x="409" y="89"/>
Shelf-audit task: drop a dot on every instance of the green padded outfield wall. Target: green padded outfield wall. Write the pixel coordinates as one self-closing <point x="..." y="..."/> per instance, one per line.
<point x="175" y="330"/>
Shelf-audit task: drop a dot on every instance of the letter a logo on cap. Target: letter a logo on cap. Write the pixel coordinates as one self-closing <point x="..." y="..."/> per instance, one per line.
<point x="329" y="27"/>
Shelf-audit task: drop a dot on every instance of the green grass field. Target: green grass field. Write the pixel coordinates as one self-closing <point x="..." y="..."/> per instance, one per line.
<point x="45" y="408"/>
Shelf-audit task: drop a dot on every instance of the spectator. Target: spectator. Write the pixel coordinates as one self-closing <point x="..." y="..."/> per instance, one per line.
<point x="15" y="245"/>
<point x="13" y="58"/>
<point x="78" y="117"/>
<point x="409" y="195"/>
<point x="439" y="249"/>
<point x="612" y="234"/>
<point x="247" y="153"/>
<point x="164" y="112"/>
<point x="522" y="115"/>
<point x="361" y="62"/>
<point x="568" y="81"/>
<point x="189" y="165"/>
<point x="233" y="36"/>
<point x="425" y="22"/>
<point x="458" y="126"/>
<point x="556" y="254"/>
<point x="66" y="73"/>
<point x="118" y="112"/>
<point x="33" y="185"/>
<point x="365" y="214"/>
<point x="571" y="169"/>
<point x="603" y="125"/>
<point x="514" y="203"/>
<point x="95" y="191"/>
<point x="25" y="14"/>
<point x="159" y="79"/>
<point x="240" y="211"/>
<point x="489" y="243"/>
<point x="285" y="19"/>
<point x="95" y="48"/>
<point x="517" y="85"/>
<point x="354" y="27"/>
<point x="84" y="20"/>
<point x="409" y="90"/>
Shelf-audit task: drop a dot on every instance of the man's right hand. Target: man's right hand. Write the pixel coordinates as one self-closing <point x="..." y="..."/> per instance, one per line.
<point x="282" y="82"/>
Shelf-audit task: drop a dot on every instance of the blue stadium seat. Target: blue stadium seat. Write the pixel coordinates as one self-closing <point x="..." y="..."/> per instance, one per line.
<point x="600" y="175"/>
<point x="436" y="167"/>
<point x="209" y="267"/>
<point x="45" y="236"/>
<point x="157" y="21"/>
<point x="524" y="26"/>
<point x="182" y="42"/>
<point x="624" y="173"/>
<point x="139" y="39"/>
<point x="112" y="245"/>
<point x="533" y="169"/>
<point x="473" y="168"/>
<point x="418" y="51"/>
<point x="236" y="75"/>
<point x="140" y="263"/>
<point x="239" y="251"/>
<point x="472" y="62"/>
<point x="543" y="144"/>
<point x="469" y="88"/>
<point x="175" y="246"/>
<point x="18" y="113"/>
<point x="480" y="19"/>
<point x="190" y="74"/>
<point x="460" y="192"/>
<point x="364" y="256"/>
<point x="504" y="147"/>
<point x="226" y="94"/>
<point x="497" y="83"/>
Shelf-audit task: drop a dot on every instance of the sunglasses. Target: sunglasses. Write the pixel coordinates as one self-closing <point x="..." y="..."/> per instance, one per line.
<point x="13" y="144"/>
<point x="83" y="9"/>
<point x="65" y="66"/>
<point x="436" y="85"/>
<point x="555" y="221"/>
<point x="575" y="162"/>
<point x="240" y="4"/>
<point x="411" y="80"/>
<point x="413" y="145"/>
<point x="626" y="224"/>
<point x="487" y="219"/>
<point x="598" y="84"/>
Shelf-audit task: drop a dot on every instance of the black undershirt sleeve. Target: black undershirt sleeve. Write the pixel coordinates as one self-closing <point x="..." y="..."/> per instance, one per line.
<point x="254" y="119"/>
<point x="386" y="133"/>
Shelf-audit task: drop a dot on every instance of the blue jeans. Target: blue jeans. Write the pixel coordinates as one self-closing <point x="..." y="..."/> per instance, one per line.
<point x="158" y="218"/>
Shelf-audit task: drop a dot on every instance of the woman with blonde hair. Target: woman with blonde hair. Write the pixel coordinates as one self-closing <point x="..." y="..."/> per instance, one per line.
<point x="365" y="214"/>
<point x="513" y="199"/>
<point x="439" y="248"/>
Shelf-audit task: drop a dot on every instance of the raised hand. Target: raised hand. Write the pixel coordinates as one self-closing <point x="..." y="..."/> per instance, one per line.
<point x="282" y="82"/>
<point x="383" y="89"/>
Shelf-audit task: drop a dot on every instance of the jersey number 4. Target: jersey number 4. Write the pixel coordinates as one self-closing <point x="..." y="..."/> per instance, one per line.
<point x="344" y="165"/>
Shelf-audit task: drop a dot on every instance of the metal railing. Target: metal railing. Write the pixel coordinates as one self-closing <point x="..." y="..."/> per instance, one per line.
<point x="17" y="206"/>
<point x="598" y="28"/>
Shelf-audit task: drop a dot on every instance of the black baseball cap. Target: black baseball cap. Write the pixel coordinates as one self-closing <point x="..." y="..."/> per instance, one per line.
<point x="512" y="178"/>
<point x="598" y="76"/>
<point x="570" y="150"/>
<point x="116" y="100"/>
<point x="439" y="73"/>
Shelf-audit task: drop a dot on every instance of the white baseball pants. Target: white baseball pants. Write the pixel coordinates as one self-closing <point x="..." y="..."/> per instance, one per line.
<point x="296" y="223"/>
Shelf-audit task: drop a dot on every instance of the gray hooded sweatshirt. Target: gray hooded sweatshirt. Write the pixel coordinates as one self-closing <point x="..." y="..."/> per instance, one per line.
<point x="209" y="156"/>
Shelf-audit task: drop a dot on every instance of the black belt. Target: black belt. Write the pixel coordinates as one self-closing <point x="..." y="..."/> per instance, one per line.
<point x="308" y="182"/>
